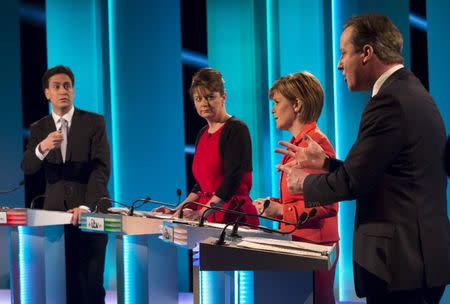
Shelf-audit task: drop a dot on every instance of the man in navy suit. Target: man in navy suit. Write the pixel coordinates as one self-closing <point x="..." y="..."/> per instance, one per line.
<point x="394" y="170"/>
<point x="72" y="148"/>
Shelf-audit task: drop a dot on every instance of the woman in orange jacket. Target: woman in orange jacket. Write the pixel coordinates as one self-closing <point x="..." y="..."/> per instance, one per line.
<point x="298" y="102"/>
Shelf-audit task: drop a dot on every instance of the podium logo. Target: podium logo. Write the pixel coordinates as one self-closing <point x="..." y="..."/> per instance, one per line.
<point x="95" y="223"/>
<point x="2" y="217"/>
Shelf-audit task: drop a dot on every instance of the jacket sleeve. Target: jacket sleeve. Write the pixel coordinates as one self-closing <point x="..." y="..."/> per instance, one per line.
<point x="379" y="142"/>
<point x="236" y="150"/>
<point x="30" y="162"/>
<point x="100" y="159"/>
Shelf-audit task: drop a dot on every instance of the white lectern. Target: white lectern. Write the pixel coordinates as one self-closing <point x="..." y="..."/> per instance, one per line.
<point x="37" y="267"/>
<point x="147" y="269"/>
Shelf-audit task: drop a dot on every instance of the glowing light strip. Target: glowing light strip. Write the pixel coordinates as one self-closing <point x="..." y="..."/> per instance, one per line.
<point x="418" y="22"/>
<point x="127" y="278"/>
<point x="206" y="281"/>
<point x="25" y="297"/>
<point x="334" y="12"/>
<point x="194" y="59"/>
<point x="114" y="118"/>
<point x="243" y="281"/>
<point x="271" y="78"/>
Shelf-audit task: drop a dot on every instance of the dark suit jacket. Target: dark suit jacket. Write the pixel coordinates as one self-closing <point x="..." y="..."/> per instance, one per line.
<point x="395" y="171"/>
<point x="83" y="178"/>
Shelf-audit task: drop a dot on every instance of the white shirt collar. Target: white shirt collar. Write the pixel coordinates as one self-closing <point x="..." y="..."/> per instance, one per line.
<point x="68" y="116"/>
<point x="383" y="77"/>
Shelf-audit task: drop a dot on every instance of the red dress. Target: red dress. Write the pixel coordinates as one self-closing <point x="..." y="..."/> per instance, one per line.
<point x="210" y="173"/>
<point x="320" y="229"/>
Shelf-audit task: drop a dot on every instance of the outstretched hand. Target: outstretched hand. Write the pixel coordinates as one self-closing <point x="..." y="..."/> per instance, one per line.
<point x="295" y="177"/>
<point x="311" y="157"/>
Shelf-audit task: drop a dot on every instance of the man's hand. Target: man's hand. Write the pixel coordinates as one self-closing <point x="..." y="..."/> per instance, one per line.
<point x="76" y="214"/>
<point x="53" y="141"/>
<point x="275" y="209"/>
<point x="295" y="177"/>
<point x="311" y="157"/>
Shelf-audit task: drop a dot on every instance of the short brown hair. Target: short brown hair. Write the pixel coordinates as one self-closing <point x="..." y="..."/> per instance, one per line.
<point x="305" y="87"/>
<point x="59" y="69"/>
<point x="209" y="79"/>
<point x="379" y="32"/>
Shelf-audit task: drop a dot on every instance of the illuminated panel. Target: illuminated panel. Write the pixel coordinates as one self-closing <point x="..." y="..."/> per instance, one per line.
<point x="24" y="266"/>
<point x="244" y="287"/>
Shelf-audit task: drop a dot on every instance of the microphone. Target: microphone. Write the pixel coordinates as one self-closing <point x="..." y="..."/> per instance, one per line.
<point x="33" y="201"/>
<point x="147" y="200"/>
<point x="265" y="206"/>
<point x="179" y="195"/>
<point x="22" y="182"/>
<point x="303" y="218"/>
<point x="105" y="198"/>
<point x="207" y="213"/>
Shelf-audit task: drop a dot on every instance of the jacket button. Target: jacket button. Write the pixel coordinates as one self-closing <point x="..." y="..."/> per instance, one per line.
<point x="290" y="209"/>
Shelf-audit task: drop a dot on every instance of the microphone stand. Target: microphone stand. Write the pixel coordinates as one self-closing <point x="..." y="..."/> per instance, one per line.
<point x="22" y="182"/>
<point x="33" y="201"/>
<point x="147" y="200"/>
<point x="105" y="198"/>
<point x="303" y="218"/>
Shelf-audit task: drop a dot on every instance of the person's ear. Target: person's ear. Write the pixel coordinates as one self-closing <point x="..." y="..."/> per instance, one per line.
<point x="367" y="53"/>
<point x="47" y="93"/>
<point x="297" y="105"/>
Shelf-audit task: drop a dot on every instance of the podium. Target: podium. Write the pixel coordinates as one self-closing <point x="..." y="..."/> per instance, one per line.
<point x="37" y="260"/>
<point x="188" y="234"/>
<point x="147" y="269"/>
<point x="221" y="285"/>
<point x="278" y="275"/>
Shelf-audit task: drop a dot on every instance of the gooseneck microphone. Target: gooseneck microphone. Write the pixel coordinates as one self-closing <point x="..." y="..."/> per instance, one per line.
<point x="145" y="201"/>
<point x="179" y="195"/>
<point x="22" y="182"/>
<point x="106" y="198"/>
<point x="265" y="206"/>
<point x="33" y="201"/>
<point x="303" y="218"/>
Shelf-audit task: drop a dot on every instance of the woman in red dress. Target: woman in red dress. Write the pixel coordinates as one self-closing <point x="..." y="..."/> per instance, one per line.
<point x="298" y="101"/>
<point x="222" y="164"/>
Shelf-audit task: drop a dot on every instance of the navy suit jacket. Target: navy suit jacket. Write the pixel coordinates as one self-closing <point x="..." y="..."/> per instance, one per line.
<point x="83" y="178"/>
<point x="395" y="172"/>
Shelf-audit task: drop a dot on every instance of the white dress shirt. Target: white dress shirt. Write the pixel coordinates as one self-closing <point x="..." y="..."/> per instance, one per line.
<point x="383" y="77"/>
<point x="68" y="116"/>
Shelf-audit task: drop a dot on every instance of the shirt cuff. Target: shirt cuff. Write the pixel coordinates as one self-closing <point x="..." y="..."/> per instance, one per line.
<point x="39" y="154"/>
<point x="85" y="208"/>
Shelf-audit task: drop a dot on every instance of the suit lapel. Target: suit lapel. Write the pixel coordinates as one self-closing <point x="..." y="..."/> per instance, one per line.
<point x="396" y="75"/>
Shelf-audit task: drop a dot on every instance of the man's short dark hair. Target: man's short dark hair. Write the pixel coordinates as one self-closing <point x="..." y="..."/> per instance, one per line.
<point x="59" y="69"/>
<point x="378" y="31"/>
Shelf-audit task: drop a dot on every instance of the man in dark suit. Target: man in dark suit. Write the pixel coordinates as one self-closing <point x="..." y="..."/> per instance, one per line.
<point x="394" y="170"/>
<point x="72" y="148"/>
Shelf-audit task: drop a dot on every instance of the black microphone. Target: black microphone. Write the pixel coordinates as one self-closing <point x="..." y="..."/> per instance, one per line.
<point x="22" y="182"/>
<point x="303" y="218"/>
<point x="105" y="198"/>
<point x="265" y="206"/>
<point x="207" y="212"/>
<point x="179" y="195"/>
<point x="33" y="201"/>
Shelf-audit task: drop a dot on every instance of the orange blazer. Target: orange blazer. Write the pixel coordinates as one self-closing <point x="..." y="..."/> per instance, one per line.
<point x="323" y="227"/>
